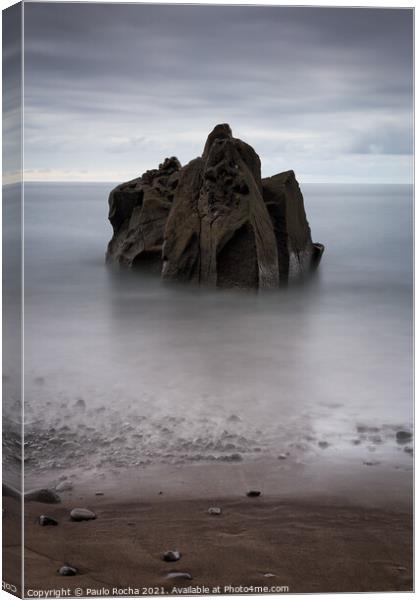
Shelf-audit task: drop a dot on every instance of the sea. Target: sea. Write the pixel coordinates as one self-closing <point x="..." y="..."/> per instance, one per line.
<point x="122" y="371"/>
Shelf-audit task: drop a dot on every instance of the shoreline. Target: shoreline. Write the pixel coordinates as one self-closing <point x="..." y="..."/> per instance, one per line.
<point x="305" y="532"/>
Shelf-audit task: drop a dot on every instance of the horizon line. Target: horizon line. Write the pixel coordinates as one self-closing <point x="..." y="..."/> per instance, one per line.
<point x="112" y="181"/>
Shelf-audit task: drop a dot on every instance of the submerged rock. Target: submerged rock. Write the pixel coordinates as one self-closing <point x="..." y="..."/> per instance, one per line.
<point x="403" y="436"/>
<point x="214" y="221"/>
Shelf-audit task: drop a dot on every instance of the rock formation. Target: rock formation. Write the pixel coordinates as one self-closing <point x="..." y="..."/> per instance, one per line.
<point x="138" y="211"/>
<point x="214" y="221"/>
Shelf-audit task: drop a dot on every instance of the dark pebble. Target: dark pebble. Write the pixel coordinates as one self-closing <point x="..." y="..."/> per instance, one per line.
<point x="323" y="445"/>
<point x="44" y="521"/>
<point x="253" y="493"/>
<point x="67" y="571"/>
<point x="171" y="556"/>
<point x="403" y="436"/>
<point x="45" y="496"/>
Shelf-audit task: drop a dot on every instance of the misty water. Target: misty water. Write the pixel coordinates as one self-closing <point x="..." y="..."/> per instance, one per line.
<point x="122" y="371"/>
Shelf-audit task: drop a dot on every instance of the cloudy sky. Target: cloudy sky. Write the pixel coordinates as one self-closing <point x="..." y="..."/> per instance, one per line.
<point x="110" y="90"/>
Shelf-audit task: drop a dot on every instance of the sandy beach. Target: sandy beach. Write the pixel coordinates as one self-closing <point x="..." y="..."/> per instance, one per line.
<point x="353" y="536"/>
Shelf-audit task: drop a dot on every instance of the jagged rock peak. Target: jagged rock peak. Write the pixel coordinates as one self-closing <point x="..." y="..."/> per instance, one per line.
<point x="214" y="221"/>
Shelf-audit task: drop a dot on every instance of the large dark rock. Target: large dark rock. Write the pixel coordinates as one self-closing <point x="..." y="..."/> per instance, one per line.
<point x="295" y="250"/>
<point x="219" y="231"/>
<point x="214" y="221"/>
<point x="138" y="211"/>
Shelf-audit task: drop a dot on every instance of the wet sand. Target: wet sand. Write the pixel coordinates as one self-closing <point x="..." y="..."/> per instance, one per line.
<point x="330" y="540"/>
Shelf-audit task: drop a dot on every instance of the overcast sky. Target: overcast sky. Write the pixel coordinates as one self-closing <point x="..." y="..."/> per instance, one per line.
<point x="110" y="90"/>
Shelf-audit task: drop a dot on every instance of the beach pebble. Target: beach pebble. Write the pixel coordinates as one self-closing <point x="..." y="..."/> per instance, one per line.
<point x="403" y="436"/>
<point x="235" y="457"/>
<point x="323" y="445"/>
<point x="253" y="493"/>
<point x="371" y="463"/>
<point x="367" y="429"/>
<point x="234" y="419"/>
<point x="269" y="575"/>
<point x="409" y="450"/>
<point x="178" y="575"/>
<point x="171" y="556"/>
<point x="99" y="493"/>
<point x="45" y="496"/>
<point x="282" y="456"/>
<point x="67" y="571"/>
<point x="44" y="520"/>
<point x="214" y="510"/>
<point x="64" y="486"/>
<point x="82" y="514"/>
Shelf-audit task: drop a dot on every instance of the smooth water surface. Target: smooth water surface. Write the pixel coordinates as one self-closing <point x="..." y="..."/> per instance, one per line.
<point x="122" y="370"/>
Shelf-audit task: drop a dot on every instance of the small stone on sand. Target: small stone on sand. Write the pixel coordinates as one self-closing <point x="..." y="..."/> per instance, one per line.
<point x="45" y="496"/>
<point x="44" y="521"/>
<point x="253" y="493"/>
<point x="323" y="445"/>
<point x="171" y="556"/>
<point x="214" y="510"/>
<point x="371" y="463"/>
<point x="82" y="514"/>
<point x="67" y="571"/>
<point x="282" y="456"/>
<point x="178" y="575"/>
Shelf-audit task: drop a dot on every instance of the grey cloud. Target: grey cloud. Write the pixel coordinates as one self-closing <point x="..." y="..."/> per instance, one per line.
<point x="127" y="82"/>
<point x="385" y="139"/>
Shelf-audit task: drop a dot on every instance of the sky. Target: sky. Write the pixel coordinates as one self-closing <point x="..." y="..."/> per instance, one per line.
<point x="111" y="90"/>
